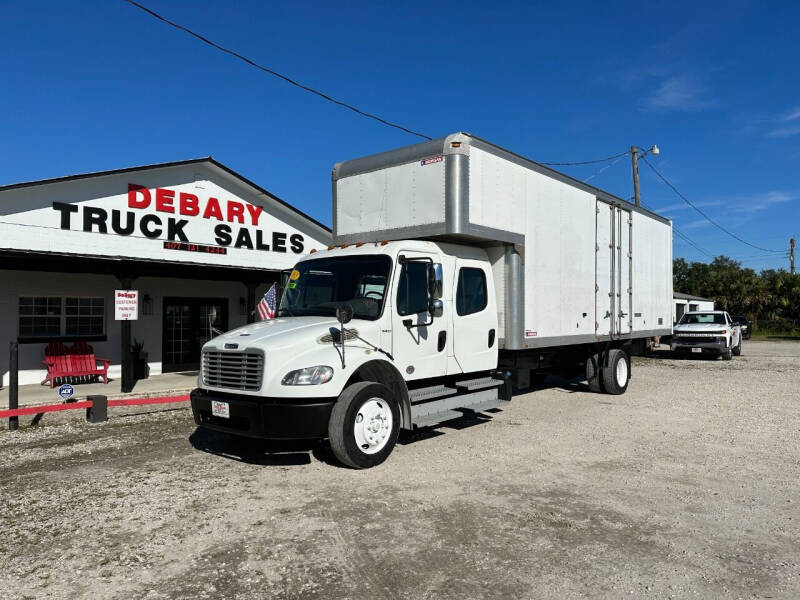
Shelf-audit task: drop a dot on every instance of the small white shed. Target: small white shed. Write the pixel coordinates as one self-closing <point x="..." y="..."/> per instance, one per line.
<point x="683" y="303"/>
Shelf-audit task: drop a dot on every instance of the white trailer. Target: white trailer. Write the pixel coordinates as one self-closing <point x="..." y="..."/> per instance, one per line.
<point x="461" y="265"/>
<point x="572" y="264"/>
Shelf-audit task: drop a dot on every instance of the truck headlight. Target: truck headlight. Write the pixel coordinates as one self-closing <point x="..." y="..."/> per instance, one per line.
<point x="308" y="376"/>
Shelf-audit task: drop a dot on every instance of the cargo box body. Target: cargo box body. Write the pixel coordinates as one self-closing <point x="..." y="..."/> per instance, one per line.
<point x="572" y="264"/>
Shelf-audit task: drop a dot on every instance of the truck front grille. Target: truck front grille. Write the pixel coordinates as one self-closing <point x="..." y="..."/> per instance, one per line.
<point x="696" y="339"/>
<point x="233" y="370"/>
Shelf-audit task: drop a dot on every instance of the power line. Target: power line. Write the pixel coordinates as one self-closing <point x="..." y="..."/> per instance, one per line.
<point x="707" y="218"/>
<point x="585" y="162"/>
<point x="273" y="72"/>
<point x="683" y="236"/>
<point x="592" y="176"/>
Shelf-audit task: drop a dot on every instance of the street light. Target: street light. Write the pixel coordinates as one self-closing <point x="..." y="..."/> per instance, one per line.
<point x="635" y="164"/>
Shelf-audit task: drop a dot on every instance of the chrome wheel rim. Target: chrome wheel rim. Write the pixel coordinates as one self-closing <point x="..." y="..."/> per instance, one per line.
<point x="622" y="372"/>
<point x="373" y="425"/>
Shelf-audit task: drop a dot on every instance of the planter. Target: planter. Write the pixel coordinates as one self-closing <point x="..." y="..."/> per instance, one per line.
<point x="141" y="370"/>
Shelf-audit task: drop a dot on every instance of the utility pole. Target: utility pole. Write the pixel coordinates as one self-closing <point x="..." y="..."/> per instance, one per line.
<point x="791" y="256"/>
<point x="635" y="165"/>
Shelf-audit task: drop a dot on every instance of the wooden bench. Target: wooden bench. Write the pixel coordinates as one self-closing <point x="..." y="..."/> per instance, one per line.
<point x="77" y="361"/>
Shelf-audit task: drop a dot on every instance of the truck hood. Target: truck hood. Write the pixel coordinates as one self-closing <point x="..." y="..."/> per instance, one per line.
<point x="699" y="328"/>
<point x="277" y="333"/>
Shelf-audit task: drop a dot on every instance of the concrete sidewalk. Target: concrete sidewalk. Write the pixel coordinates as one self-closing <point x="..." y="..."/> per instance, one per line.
<point x="169" y="384"/>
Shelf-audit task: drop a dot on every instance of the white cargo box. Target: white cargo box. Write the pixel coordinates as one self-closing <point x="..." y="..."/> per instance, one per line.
<point x="572" y="263"/>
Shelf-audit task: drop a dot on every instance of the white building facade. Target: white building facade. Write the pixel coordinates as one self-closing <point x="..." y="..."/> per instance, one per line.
<point x="200" y="243"/>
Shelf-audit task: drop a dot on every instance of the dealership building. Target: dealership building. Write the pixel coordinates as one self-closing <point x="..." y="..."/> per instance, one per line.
<point x="200" y="243"/>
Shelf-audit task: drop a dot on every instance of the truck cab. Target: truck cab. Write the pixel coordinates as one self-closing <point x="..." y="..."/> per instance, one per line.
<point x="419" y="311"/>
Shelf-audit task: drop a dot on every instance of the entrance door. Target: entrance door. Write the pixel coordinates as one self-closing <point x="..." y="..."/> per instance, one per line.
<point x="613" y="264"/>
<point x="419" y="344"/>
<point x="187" y="325"/>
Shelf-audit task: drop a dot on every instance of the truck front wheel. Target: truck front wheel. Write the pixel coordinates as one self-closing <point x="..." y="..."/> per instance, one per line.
<point x="616" y="372"/>
<point x="364" y="425"/>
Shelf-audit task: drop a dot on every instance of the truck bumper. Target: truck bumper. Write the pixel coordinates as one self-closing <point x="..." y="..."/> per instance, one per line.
<point x="715" y="348"/>
<point x="264" y="418"/>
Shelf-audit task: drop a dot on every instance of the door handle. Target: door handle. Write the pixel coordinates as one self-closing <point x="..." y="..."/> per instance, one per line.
<point x="442" y="340"/>
<point x="491" y="338"/>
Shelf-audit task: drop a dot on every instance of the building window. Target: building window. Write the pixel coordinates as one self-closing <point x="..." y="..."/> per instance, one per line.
<point x="52" y="317"/>
<point x="39" y="317"/>
<point x="84" y="316"/>
<point x="471" y="294"/>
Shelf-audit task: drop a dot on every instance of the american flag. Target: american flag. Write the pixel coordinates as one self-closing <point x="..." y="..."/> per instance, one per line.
<point x="267" y="305"/>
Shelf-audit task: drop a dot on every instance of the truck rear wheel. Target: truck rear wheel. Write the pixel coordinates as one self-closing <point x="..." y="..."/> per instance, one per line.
<point x="616" y="372"/>
<point x="594" y="373"/>
<point x="364" y="425"/>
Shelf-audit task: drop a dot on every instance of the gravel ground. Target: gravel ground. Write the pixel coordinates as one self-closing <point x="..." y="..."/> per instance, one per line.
<point x="687" y="487"/>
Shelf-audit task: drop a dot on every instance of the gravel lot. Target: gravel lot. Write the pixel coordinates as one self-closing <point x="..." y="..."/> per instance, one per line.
<point x="688" y="486"/>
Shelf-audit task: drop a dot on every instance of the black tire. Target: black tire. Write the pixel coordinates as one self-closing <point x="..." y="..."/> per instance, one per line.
<point x="612" y="372"/>
<point x="594" y="374"/>
<point x="738" y="350"/>
<point x="343" y="421"/>
<point x="727" y="354"/>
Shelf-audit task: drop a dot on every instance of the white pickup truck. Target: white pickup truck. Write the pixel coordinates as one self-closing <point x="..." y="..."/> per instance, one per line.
<point x="707" y="332"/>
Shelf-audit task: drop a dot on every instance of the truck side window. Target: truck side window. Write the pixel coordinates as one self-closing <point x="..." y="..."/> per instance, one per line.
<point x="412" y="289"/>
<point x="471" y="291"/>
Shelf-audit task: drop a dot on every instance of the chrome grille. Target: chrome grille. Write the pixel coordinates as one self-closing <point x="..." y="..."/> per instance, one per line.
<point x="233" y="370"/>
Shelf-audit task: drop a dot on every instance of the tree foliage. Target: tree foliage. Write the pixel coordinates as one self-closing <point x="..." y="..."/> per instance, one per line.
<point x="769" y="295"/>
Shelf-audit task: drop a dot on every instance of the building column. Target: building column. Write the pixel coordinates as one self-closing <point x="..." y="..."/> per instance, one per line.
<point x="126" y="364"/>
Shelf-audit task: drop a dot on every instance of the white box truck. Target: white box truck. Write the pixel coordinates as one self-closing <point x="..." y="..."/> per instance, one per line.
<point x="457" y="266"/>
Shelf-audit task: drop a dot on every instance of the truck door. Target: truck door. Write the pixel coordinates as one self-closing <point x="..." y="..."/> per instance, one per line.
<point x="624" y="265"/>
<point x="474" y="317"/>
<point x="419" y="342"/>
<point x="613" y="264"/>
<point x="604" y="299"/>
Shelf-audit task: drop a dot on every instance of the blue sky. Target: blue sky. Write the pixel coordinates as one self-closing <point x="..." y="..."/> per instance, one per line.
<point x="96" y="85"/>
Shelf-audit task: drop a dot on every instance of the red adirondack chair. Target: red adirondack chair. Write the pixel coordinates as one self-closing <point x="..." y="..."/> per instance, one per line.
<point x="77" y="361"/>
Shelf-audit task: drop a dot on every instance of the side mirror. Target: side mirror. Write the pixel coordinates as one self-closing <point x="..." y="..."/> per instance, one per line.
<point x="436" y="308"/>
<point x="435" y="281"/>
<point x="344" y="313"/>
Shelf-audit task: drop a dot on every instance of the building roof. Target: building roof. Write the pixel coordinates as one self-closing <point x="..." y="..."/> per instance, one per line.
<point x="206" y="159"/>
<point x="682" y="296"/>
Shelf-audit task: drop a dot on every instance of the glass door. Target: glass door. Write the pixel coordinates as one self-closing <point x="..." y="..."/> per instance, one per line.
<point x="188" y="324"/>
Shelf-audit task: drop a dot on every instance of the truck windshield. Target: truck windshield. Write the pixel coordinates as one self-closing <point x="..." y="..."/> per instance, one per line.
<point x="317" y="287"/>
<point x="692" y="318"/>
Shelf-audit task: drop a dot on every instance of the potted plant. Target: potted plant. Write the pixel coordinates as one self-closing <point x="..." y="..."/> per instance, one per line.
<point x="141" y="370"/>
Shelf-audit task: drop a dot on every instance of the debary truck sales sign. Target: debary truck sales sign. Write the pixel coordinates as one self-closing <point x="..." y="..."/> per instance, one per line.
<point x="190" y="213"/>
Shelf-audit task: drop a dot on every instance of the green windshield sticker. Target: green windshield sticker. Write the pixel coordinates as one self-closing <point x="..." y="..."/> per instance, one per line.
<point x="292" y="285"/>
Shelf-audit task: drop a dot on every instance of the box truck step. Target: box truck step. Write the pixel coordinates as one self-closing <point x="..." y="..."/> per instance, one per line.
<point x="470" y="385"/>
<point x="429" y="393"/>
<point x="438" y="411"/>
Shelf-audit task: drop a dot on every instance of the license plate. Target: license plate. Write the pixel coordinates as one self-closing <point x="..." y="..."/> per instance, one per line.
<point x="221" y="409"/>
<point x="697" y="349"/>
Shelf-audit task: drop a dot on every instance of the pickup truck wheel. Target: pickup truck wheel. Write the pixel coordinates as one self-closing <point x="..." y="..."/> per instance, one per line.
<point x="738" y="350"/>
<point x="727" y="354"/>
<point x="594" y="374"/>
<point x="617" y="372"/>
<point x="364" y="425"/>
